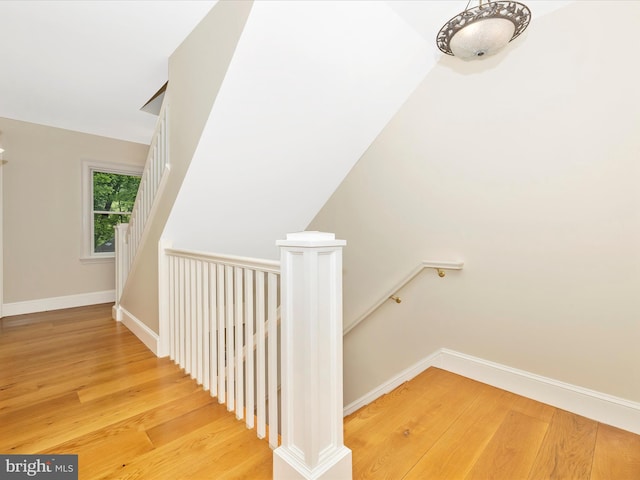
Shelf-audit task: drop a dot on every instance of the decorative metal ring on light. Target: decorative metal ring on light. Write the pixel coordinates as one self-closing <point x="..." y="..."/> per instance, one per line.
<point x="483" y="30"/>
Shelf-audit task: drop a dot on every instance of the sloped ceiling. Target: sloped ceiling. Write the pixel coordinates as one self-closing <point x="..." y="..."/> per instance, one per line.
<point x="90" y="65"/>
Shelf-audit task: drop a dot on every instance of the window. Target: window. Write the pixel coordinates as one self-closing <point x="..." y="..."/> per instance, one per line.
<point x="109" y="195"/>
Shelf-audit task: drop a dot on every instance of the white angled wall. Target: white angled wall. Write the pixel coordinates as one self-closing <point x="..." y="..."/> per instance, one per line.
<point x="309" y="88"/>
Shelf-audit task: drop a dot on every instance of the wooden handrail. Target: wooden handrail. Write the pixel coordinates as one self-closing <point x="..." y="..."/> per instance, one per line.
<point x="270" y="266"/>
<point x="438" y="265"/>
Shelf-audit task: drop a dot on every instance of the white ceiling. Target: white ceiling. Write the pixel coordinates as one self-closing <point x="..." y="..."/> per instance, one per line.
<point x="90" y="65"/>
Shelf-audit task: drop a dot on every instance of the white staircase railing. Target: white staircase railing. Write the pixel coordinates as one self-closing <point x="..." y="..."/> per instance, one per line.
<point x="129" y="235"/>
<point x="219" y="321"/>
<point x="222" y="313"/>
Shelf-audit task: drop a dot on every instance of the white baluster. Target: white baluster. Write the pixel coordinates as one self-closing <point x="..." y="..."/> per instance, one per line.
<point x="199" y="350"/>
<point x="181" y="316"/>
<point x="230" y="361"/>
<point x="188" y="317"/>
<point x="206" y="328"/>
<point x="249" y="345"/>
<point x="261" y="395"/>
<point x="221" y="337"/>
<point x="213" y="328"/>
<point x="272" y="348"/>
<point x="239" y="337"/>
<point x="174" y="306"/>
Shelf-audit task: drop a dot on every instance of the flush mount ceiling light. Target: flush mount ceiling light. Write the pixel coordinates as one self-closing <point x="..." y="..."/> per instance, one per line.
<point x="483" y="30"/>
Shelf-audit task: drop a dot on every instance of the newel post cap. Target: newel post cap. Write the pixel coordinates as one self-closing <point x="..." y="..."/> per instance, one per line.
<point x="311" y="239"/>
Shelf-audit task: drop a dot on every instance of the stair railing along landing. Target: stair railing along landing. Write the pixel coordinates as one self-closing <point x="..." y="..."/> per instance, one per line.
<point x="219" y="321"/>
<point x="222" y="315"/>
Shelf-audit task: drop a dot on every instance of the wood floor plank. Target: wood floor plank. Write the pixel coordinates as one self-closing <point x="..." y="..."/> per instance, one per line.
<point x="396" y="445"/>
<point x="110" y="385"/>
<point x="100" y="397"/>
<point x="178" y="426"/>
<point x="75" y="381"/>
<point x="143" y="422"/>
<point x="18" y="425"/>
<point x="204" y="453"/>
<point x="617" y="455"/>
<point x="103" y="454"/>
<point x="432" y="381"/>
<point x="512" y="450"/>
<point x="458" y="449"/>
<point x="40" y="386"/>
<point x="532" y="408"/>
<point x="63" y="424"/>
<point x="567" y="449"/>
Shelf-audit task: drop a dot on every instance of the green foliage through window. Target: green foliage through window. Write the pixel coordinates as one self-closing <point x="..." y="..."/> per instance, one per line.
<point x="113" y="198"/>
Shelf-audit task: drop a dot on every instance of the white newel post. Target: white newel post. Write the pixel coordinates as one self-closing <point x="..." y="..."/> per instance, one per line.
<point x="311" y="371"/>
<point x="122" y="265"/>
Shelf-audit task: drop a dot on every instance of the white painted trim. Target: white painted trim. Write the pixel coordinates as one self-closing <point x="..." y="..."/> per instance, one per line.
<point x="58" y="303"/>
<point x="140" y="330"/>
<point x="263" y="265"/>
<point x="404" y="376"/>
<point x="604" y="408"/>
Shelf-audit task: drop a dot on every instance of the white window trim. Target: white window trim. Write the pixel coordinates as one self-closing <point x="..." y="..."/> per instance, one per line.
<point x="88" y="167"/>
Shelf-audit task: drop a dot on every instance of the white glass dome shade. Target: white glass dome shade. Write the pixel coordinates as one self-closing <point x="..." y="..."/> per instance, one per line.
<point x="484" y="37"/>
<point x="483" y="30"/>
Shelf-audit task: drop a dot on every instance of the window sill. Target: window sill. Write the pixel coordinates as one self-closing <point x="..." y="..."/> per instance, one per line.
<point x="105" y="259"/>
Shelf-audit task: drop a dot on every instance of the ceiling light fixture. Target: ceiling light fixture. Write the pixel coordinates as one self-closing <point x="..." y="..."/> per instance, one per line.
<point x="483" y="30"/>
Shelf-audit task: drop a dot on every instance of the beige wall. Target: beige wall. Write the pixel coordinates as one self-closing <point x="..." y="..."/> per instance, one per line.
<point x="43" y="209"/>
<point x="196" y="71"/>
<point x="526" y="167"/>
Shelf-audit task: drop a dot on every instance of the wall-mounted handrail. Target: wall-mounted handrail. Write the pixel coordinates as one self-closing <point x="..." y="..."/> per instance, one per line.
<point x="391" y="293"/>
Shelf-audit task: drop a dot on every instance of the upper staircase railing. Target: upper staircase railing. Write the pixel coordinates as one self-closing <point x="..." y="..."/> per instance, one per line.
<point x="129" y="236"/>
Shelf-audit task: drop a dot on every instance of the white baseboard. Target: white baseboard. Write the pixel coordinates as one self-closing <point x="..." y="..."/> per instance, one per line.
<point x="604" y="408"/>
<point x="404" y="376"/>
<point x="140" y="330"/>
<point x="58" y="303"/>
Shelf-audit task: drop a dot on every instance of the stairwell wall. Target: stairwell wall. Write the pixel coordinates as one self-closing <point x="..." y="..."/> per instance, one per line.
<point x="196" y="71"/>
<point x="525" y="167"/>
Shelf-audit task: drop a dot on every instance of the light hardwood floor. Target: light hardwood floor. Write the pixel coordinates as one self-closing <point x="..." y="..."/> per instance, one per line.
<point x="74" y="381"/>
